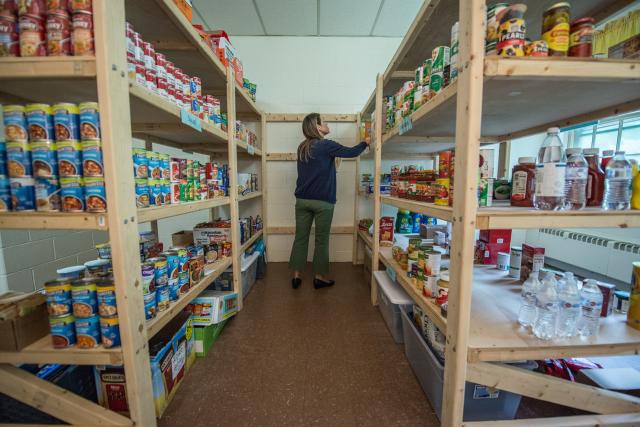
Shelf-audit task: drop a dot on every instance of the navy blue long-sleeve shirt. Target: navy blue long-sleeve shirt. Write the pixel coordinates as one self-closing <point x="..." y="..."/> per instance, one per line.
<point x="317" y="176"/>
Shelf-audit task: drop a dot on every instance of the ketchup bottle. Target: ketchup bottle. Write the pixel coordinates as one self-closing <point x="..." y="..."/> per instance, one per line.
<point x="595" y="183"/>
<point x="606" y="156"/>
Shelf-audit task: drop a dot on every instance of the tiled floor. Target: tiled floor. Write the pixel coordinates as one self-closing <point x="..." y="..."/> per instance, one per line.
<point x="303" y="357"/>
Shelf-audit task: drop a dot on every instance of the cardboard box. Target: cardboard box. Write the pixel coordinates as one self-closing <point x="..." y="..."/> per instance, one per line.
<point x="607" y="298"/>
<point x="499" y="236"/>
<point x="487" y="253"/>
<point x="212" y="307"/>
<point x="627" y="49"/>
<point x="182" y="238"/>
<point x="532" y="260"/>
<point x="206" y="336"/>
<point x="186" y="7"/>
<point x="24" y="320"/>
<point x="217" y="232"/>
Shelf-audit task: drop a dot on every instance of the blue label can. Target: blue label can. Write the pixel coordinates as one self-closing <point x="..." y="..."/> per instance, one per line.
<point x="88" y="332"/>
<point x="165" y="166"/>
<point x="47" y="194"/>
<point x="84" y="293"/>
<point x="44" y="158"/>
<point x="72" y="192"/>
<point x="140" y="163"/>
<point x="15" y="123"/>
<point x="166" y="192"/>
<point x="58" y="294"/>
<point x="150" y="305"/>
<point x="162" y="297"/>
<point x="19" y="158"/>
<point x="155" y="192"/>
<point x="63" y="331"/>
<point x="5" y="194"/>
<point x="95" y="194"/>
<point x="110" y="331"/>
<point x="66" y="119"/>
<point x="155" y="169"/>
<point x="69" y="158"/>
<point x="23" y="195"/>
<point x="3" y="158"/>
<point x="89" y="121"/>
<point x="92" y="164"/>
<point x="142" y="192"/>
<point x="106" y="294"/>
<point x="39" y="122"/>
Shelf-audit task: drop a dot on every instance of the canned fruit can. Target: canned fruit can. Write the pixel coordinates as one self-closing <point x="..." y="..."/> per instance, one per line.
<point x="150" y="307"/>
<point x="148" y="277"/>
<point x="88" y="332"/>
<point x="104" y="250"/>
<point x="161" y="271"/>
<point x="69" y="158"/>
<point x="95" y="194"/>
<point x="89" y="121"/>
<point x="19" y="159"/>
<point x="72" y="192"/>
<point x="92" y="163"/>
<point x="66" y="123"/>
<point x="58" y="33"/>
<point x="106" y="293"/>
<point x="58" y="295"/>
<point x="15" y="123"/>
<point x="85" y="297"/>
<point x="110" y="331"/>
<point x="442" y="191"/>
<point x="82" y="43"/>
<point x="162" y="297"/>
<point x="23" y="197"/>
<point x="63" y="331"/>
<point x="39" y="122"/>
<point x="140" y="163"/>
<point x="44" y="158"/>
<point x="633" y="315"/>
<point x="47" y="193"/>
<point x="440" y="58"/>
<point x="142" y="192"/>
<point x="536" y="48"/>
<point x="556" y="28"/>
<point x="98" y="267"/>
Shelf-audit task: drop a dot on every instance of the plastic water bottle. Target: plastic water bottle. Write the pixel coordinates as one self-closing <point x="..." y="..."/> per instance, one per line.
<point x="570" y="306"/>
<point x="617" y="183"/>
<point x="527" y="314"/>
<point x="550" y="173"/>
<point x="547" y="308"/>
<point x="575" y="184"/>
<point x="591" y="308"/>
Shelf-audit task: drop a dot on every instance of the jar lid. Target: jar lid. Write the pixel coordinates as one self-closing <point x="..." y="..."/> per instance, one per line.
<point x="523" y="160"/>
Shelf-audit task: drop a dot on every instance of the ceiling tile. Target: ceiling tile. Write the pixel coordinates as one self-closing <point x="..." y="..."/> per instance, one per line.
<point x="396" y="17"/>
<point x="237" y="17"/>
<point x="289" y="17"/>
<point x="347" y="18"/>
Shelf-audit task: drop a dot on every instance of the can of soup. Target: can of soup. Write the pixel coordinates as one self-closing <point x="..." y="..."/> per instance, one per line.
<point x="72" y="192"/>
<point x="19" y="158"/>
<point x="69" y="158"/>
<point x="142" y="192"/>
<point x="47" y="193"/>
<point x="161" y="273"/>
<point x="5" y="194"/>
<point x="15" y="123"/>
<point x="58" y="31"/>
<point x="58" y="295"/>
<point x="44" y="158"/>
<point x="140" y="163"/>
<point x="106" y="292"/>
<point x="110" y="331"/>
<point x="32" y="35"/>
<point x="92" y="164"/>
<point x="88" y="332"/>
<point x="150" y="306"/>
<point x="85" y="297"/>
<point x="82" y="43"/>
<point x="155" y="170"/>
<point x="39" y="122"/>
<point x="162" y="297"/>
<point x="63" y="331"/>
<point x="98" y="267"/>
<point x="66" y="124"/>
<point x="148" y="277"/>
<point x="23" y="197"/>
<point x="104" y="250"/>
<point x="89" y="121"/>
<point x="95" y="194"/>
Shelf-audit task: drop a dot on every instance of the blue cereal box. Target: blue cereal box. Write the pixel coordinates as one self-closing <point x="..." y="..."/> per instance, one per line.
<point x="69" y="158"/>
<point x="44" y="158"/>
<point x="95" y="194"/>
<point x="89" y="121"/>
<point x="18" y="158"/>
<point x="39" y="122"/>
<point x="72" y="192"/>
<point x="23" y="197"/>
<point x="66" y="121"/>
<point x="15" y="123"/>
<point x="92" y="164"/>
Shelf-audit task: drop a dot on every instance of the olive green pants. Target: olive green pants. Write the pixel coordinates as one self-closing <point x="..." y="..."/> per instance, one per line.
<point x="308" y="211"/>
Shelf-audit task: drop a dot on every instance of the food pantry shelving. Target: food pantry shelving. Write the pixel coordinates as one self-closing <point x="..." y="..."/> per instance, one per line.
<point x="496" y="99"/>
<point x="127" y="110"/>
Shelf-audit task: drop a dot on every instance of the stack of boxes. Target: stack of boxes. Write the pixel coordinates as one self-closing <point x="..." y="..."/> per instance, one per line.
<point x="490" y="243"/>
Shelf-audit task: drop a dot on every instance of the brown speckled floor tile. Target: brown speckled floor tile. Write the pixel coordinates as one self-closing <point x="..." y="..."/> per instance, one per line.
<point x="303" y="358"/>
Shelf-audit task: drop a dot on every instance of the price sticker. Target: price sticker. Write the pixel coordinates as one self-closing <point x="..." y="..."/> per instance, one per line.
<point x="190" y="120"/>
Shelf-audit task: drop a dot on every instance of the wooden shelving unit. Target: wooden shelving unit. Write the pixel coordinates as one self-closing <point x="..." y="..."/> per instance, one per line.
<point x="126" y="110"/>
<point x="250" y="196"/>
<point x="497" y="99"/>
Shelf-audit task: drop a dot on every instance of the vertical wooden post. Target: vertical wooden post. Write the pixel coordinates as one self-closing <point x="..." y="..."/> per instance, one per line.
<point x="263" y="176"/>
<point x="377" y="155"/>
<point x="233" y="185"/>
<point x="468" y="133"/>
<point x="356" y="203"/>
<point x="115" y="118"/>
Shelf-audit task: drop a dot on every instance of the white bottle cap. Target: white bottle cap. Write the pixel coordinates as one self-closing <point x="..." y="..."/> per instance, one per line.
<point x="553" y="130"/>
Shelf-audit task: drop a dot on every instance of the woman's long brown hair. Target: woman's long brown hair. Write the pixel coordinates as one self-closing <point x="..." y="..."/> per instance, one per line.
<point x="311" y="134"/>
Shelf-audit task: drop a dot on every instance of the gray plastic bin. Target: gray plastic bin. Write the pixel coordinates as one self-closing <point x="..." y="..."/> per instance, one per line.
<point x="390" y="297"/>
<point x="480" y="402"/>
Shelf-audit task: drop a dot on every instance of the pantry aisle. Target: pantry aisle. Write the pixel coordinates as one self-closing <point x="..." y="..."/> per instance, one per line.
<point x="303" y="357"/>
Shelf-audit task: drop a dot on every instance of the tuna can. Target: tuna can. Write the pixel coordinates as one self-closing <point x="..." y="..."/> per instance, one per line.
<point x="69" y="158"/>
<point x="75" y="272"/>
<point x="39" y="122"/>
<point x="95" y="194"/>
<point x="5" y="194"/>
<point x="98" y="268"/>
<point x="85" y="297"/>
<point x="433" y="261"/>
<point x="88" y="332"/>
<point x="148" y="277"/>
<point x="161" y="271"/>
<point x="140" y="163"/>
<point x="23" y="197"/>
<point x="72" y="192"/>
<point x="162" y="297"/>
<point x="633" y="315"/>
<point x="503" y="261"/>
<point x="44" y="158"/>
<point x="19" y="159"/>
<point x="15" y="123"/>
<point x="515" y="259"/>
<point x="58" y="295"/>
<point x="47" y="193"/>
<point x="63" y="331"/>
<point x="150" y="306"/>
<point x="66" y="118"/>
<point x="110" y="331"/>
<point x="142" y="192"/>
<point x="92" y="164"/>
<point x="104" y="250"/>
<point x="155" y="192"/>
<point x="106" y="292"/>
<point x="89" y="121"/>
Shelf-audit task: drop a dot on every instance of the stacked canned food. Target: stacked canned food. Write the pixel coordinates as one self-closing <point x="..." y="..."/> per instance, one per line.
<point x="162" y="180"/>
<point x="53" y="157"/>
<point x="411" y="182"/>
<point x="82" y="306"/>
<point x="249" y="226"/>
<point x="46" y="28"/>
<point x="244" y="134"/>
<point x="152" y="70"/>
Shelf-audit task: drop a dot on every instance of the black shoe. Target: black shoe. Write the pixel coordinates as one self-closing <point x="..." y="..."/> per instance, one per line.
<point x="319" y="283"/>
<point x="296" y="282"/>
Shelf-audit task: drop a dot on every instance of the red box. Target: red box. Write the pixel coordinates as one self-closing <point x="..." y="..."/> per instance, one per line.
<point x="487" y="253"/>
<point x="532" y="260"/>
<point x="607" y="298"/>
<point x="500" y="236"/>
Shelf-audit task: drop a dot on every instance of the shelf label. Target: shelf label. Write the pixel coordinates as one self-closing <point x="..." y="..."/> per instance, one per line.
<point x="190" y="120"/>
<point x="406" y="125"/>
<point x="391" y="273"/>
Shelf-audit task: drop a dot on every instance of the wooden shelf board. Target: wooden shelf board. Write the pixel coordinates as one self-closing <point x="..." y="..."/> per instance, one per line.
<point x="54" y="220"/>
<point x="51" y="67"/>
<point x="256" y="152"/>
<point x="495" y="334"/>
<point x="162" y="318"/>
<point x="426" y="304"/>
<point x="251" y="241"/>
<point x="41" y="352"/>
<point x="159" y="212"/>
<point x="444" y="213"/>
<point x="250" y="196"/>
<point x="368" y="240"/>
